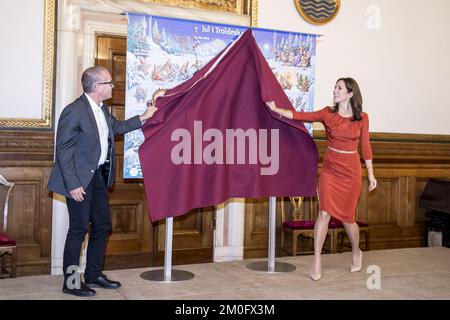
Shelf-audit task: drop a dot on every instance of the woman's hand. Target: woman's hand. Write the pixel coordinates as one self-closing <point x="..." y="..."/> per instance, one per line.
<point x="282" y="112"/>
<point x="271" y="105"/>
<point x="372" y="181"/>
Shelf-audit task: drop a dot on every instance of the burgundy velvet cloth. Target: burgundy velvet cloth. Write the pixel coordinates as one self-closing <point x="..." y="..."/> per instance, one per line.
<point x="335" y="223"/>
<point x="299" y="224"/>
<point x="232" y="96"/>
<point x="362" y="224"/>
<point x="6" y="240"/>
<point x="309" y="224"/>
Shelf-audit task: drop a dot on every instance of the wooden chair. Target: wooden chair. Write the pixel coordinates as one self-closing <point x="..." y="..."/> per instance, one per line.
<point x="296" y="226"/>
<point x="364" y="232"/>
<point x="7" y="243"/>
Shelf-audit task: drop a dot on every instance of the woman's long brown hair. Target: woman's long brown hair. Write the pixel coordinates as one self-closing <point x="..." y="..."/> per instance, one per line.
<point x="355" y="100"/>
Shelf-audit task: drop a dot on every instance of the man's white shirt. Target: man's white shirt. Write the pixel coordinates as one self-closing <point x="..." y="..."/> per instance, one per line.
<point x="102" y="128"/>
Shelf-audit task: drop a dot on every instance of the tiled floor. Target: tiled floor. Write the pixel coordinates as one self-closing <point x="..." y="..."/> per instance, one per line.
<point x="414" y="273"/>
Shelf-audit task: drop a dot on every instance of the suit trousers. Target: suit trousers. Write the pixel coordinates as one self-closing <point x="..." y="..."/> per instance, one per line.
<point x="92" y="210"/>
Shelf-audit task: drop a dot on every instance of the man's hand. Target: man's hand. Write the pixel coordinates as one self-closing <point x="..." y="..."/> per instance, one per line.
<point x="77" y="194"/>
<point x="148" y="113"/>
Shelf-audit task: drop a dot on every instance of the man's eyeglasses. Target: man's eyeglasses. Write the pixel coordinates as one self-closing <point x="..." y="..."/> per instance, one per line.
<point x="109" y="82"/>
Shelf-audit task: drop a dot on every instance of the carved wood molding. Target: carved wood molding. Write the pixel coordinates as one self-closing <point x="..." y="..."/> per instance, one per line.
<point x="389" y="149"/>
<point x="24" y="149"/>
<point x="23" y="139"/>
<point x="397" y="137"/>
<point x="398" y="148"/>
<point x="11" y="144"/>
<point x="235" y="6"/>
<point x="254" y="12"/>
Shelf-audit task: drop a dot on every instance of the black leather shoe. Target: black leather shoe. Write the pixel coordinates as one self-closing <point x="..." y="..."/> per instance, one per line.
<point x="103" y="282"/>
<point x="84" y="291"/>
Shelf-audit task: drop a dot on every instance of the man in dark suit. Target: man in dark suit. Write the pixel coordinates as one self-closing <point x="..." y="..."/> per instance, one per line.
<point x="83" y="171"/>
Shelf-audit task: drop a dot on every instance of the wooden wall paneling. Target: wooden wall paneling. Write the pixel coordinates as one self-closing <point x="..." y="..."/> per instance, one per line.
<point x="192" y="237"/>
<point x="111" y="54"/>
<point x="403" y="164"/>
<point x="382" y="205"/>
<point x="419" y="211"/>
<point x="257" y="227"/>
<point x="26" y="159"/>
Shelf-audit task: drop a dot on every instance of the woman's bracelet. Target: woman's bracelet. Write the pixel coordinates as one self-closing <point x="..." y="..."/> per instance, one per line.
<point x="369" y="168"/>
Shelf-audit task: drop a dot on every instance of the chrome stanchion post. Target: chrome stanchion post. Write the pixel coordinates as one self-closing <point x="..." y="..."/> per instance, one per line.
<point x="168" y="251"/>
<point x="272" y="231"/>
<point x="271" y="265"/>
<point x="167" y="274"/>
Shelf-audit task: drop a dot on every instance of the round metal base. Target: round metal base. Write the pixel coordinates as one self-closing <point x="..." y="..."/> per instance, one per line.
<point x="158" y="275"/>
<point x="279" y="266"/>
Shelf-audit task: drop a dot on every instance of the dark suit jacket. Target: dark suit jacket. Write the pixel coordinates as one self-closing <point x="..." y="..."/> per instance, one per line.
<point x="78" y="146"/>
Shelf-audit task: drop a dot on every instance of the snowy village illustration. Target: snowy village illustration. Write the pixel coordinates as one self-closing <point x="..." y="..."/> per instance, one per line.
<point x="164" y="52"/>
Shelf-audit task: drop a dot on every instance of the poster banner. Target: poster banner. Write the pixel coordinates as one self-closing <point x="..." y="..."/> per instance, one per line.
<point x="164" y="52"/>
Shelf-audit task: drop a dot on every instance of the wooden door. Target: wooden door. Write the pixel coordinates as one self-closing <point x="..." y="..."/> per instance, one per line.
<point x="135" y="241"/>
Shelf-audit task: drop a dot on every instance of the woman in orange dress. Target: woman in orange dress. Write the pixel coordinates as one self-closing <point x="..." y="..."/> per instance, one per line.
<point x="340" y="180"/>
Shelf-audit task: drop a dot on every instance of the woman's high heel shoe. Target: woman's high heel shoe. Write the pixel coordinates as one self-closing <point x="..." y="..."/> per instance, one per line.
<point x="315" y="272"/>
<point x="358" y="267"/>
<point x="315" y="277"/>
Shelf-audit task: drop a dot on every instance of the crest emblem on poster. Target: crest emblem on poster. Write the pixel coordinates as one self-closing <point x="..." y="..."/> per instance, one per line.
<point x="318" y="11"/>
